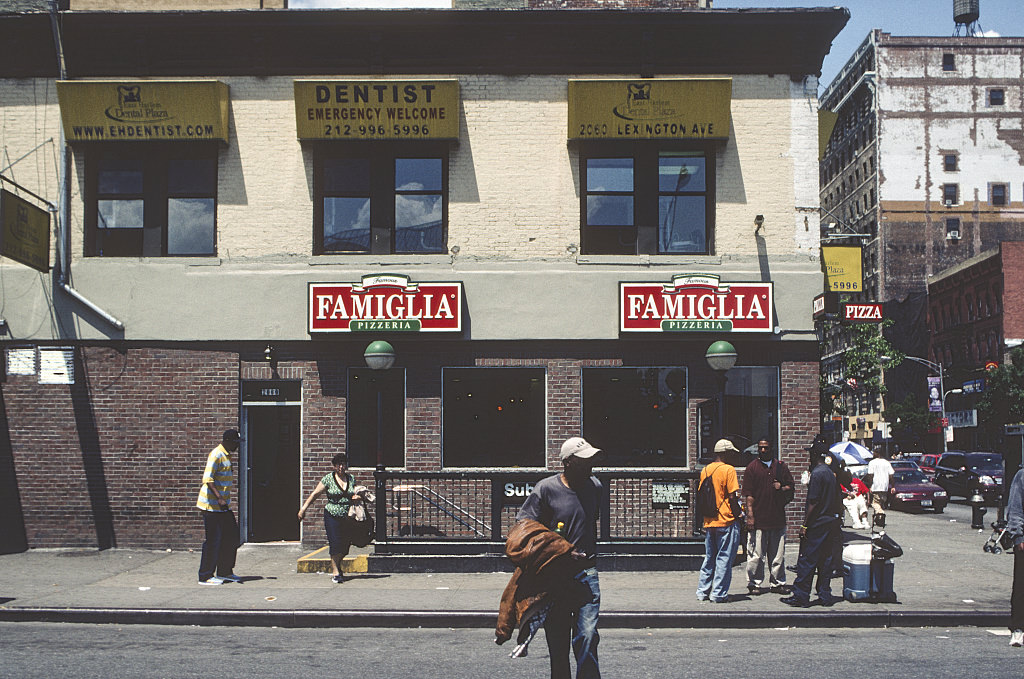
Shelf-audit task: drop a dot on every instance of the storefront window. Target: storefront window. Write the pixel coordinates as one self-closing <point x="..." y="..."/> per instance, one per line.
<point x="752" y="407"/>
<point x="637" y="416"/>
<point x="493" y="417"/>
<point x="363" y="387"/>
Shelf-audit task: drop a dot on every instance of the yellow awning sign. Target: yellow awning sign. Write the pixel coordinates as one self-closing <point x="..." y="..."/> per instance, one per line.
<point x="843" y="268"/>
<point x="144" y="110"/>
<point x="24" y="232"/>
<point x="348" y="110"/>
<point x="826" y="124"/>
<point x="690" y="108"/>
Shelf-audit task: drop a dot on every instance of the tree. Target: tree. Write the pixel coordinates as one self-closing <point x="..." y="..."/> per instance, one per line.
<point x="862" y="358"/>
<point x="910" y="420"/>
<point x="1003" y="399"/>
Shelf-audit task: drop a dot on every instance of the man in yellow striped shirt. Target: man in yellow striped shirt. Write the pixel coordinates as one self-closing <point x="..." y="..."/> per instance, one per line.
<point x="221" y="543"/>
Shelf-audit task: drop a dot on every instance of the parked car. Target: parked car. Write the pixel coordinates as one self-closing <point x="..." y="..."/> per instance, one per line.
<point x="927" y="463"/>
<point x="904" y="465"/>
<point x="961" y="473"/>
<point x="911" y="489"/>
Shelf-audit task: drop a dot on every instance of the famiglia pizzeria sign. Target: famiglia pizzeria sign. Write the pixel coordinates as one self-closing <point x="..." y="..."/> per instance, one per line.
<point x="695" y="303"/>
<point x="385" y="303"/>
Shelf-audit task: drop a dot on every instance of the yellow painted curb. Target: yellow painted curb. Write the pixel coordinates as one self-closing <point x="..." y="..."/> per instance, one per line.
<point x="320" y="562"/>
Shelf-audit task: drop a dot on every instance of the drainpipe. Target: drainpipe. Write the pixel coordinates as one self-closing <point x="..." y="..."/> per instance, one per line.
<point x="63" y="212"/>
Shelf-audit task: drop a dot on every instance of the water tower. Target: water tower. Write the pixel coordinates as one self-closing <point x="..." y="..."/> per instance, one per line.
<point x="965" y="14"/>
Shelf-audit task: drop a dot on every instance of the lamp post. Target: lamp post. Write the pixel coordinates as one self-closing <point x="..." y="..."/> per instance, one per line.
<point x="721" y="357"/>
<point x="937" y="368"/>
<point x="380" y="355"/>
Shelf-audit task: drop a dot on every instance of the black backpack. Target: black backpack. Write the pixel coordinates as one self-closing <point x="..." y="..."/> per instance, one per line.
<point x="707" y="502"/>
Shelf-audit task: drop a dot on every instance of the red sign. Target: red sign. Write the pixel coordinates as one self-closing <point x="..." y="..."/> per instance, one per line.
<point x="863" y="313"/>
<point x="385" y="303"/>
<point x="695" y="303"/>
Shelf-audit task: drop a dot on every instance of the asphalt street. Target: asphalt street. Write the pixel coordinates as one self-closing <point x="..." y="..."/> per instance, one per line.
<point x="148" y="651"/>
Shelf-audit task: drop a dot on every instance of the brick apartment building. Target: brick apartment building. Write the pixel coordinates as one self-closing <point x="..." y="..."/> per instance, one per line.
<point x="975" y="317"/>
<point x="549" y="213"/>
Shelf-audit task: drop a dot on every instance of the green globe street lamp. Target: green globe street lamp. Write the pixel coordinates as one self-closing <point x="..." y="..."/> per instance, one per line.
<point x="721" y="357"/>
<point x="380" y="355"/>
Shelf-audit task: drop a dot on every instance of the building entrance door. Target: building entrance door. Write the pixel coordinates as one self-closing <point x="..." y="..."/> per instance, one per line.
<point x="271" y="487"/>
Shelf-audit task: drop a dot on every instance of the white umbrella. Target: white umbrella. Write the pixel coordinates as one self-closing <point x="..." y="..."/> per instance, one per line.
<point x="851" y="453"/>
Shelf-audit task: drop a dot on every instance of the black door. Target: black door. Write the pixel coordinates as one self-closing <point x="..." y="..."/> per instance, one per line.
<point x="273" y="443"/>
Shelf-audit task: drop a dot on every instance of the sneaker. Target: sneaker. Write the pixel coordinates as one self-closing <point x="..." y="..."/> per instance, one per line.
<point x="231" y="578"/>
<point x="782" y="589"/>
<point x="338" y="578"/>
<point x="1017" y="638"/>
<point x="212" y="581"/>
<point x="753" y="590"/>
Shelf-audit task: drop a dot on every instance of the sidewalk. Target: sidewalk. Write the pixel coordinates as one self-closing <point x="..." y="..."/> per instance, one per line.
<point x="944" y="579"/>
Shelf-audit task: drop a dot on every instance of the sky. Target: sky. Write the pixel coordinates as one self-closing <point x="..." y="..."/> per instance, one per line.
<point x="898" y="17"/>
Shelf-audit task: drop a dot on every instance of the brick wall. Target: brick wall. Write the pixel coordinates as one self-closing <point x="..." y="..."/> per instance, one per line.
<point x="1013" y="290"/>
<point x="115" y="460"/>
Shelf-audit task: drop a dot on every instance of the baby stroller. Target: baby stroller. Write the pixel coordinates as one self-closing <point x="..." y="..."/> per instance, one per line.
<point x="999" y="540"/>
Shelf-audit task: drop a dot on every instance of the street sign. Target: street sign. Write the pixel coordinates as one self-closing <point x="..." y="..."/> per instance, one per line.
<point x="1013" y="429"/>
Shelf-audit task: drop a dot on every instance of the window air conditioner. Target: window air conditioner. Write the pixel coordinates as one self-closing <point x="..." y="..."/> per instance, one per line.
<point x="948" y="202"/>
<point x="952" y="235"/>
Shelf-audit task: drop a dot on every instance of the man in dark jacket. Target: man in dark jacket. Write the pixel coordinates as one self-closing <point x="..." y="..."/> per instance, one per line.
<point x="572" y="499"/>
<point x="819" y="531"/>
<point x="768" y="487"/>
<point x="1015" y="527"/>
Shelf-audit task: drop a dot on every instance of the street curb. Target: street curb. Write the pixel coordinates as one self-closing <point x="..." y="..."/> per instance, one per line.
<point x="487" y="619"/>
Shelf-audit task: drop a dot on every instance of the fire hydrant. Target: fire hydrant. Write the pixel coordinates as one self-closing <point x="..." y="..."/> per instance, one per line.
<point x="977" y="510"/>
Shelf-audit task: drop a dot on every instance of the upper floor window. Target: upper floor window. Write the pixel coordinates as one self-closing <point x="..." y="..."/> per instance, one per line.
<point x="996" y="96"/>
<point x="650" y="198"/>
<point x="151" y="199"/>
<point x="999" y="194"/>
<point x="948" y="62"/>
<point x="950" y="194"/>
<point x="381" y="198"/>
<point x="949" y="162"/>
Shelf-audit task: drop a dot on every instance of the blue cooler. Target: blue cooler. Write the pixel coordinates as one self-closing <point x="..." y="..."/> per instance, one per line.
<point x="857" y="572"/>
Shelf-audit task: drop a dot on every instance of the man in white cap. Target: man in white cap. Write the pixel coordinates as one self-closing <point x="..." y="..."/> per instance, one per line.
<point x="572" y="498"/>
<point x="721" y="532"/>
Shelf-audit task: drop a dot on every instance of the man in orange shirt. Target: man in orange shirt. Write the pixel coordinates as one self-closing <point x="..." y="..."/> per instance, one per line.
<point x="722" y="533"/>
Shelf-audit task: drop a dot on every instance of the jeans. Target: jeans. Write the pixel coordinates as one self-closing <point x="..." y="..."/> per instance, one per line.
<point x="720" y="545"/>
<point x="220" y="545"/>
<point x="1017" y="595"/>
<point x="581" y="619"/>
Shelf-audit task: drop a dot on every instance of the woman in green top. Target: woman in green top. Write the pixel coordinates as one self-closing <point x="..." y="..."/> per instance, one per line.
<point x="338" y="485"/>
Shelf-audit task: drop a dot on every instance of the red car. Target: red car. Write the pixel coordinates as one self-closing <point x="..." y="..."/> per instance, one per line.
<point x="911" y="489"/>
<point x="927" y="464"/>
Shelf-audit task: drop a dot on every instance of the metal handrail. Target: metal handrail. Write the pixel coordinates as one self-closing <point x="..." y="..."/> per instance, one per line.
<point x="416" y="490"/>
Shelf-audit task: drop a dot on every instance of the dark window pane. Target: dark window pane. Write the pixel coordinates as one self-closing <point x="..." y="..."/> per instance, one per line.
<point x="681" y="224"/>
<point x="609" y="210"/>
<point x="610" y="174"/>
<point x="191" y="226"/>
<point x="364" y="385"/>
<point x="493" y="417"/>
<point x="996" y="97"/>
<point x="948" y="62"/>
<point x="119" y="214"/>
<point x="191" y="176"/>
<point x="949" y="192"/>
<point x="418" y="224"/>
<point x="637" y="416"/>
<point x="611" y="240"/>
<point x="346" y="224"/>
<point x="418" y="174"/>
<point x="119" y="177"/>
<point x="681" y="172"/>
<point x="346" y="175"/>
<point x="950" y="162"/>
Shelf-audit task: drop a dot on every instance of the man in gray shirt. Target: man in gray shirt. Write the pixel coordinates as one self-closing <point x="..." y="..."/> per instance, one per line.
<point x="572" y="498"/>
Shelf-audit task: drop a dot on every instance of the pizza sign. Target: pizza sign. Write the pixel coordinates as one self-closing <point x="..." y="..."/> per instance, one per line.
<point x="695" y="303"/>
<point x="385" y="303"/>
